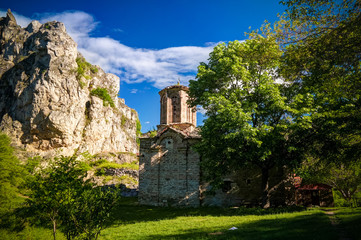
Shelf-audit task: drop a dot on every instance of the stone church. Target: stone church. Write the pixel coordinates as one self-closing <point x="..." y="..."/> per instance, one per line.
<point x="169" y="168"/>
<point x="169" y="172"/>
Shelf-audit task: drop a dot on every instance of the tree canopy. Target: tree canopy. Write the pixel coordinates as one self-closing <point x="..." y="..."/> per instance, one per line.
<point x="252" y="113"/>
<point x="286" y="91"/>
<point x="11" y="176"/>
<point x="322" y="45"/>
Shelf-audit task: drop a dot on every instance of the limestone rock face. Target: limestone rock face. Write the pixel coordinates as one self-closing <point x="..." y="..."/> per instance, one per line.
<point x="46" y="101"/>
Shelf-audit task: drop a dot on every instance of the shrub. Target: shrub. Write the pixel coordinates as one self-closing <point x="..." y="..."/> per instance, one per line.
<point x="60" y="194"/>
<point x="139" y="128"/>
<point x="103" y="94"/>
<point x="83" y="68"/>
<point x="152" y="133"/>
<point x="124" y="120"/>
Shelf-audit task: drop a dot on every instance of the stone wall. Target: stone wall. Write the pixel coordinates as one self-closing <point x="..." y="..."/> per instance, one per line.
<point x="243" y="187"/>
<point x="169" y="173"/>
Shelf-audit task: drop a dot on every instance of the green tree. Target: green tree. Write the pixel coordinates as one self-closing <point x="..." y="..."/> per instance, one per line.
<point x="343" y="176"/>
<point x="322" y="44"/>
<point x="91" y="211"/>
<point x="61" y="194"/>
<point x="252" y="115"/>
<point x="11" y="176"/>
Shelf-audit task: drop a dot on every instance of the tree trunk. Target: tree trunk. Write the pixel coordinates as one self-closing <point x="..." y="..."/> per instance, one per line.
<point x="265" y="188"/>
<point x="54" y="229"/>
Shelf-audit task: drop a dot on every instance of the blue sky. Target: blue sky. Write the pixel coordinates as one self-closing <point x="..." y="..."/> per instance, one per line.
<point x="149" y="44"/>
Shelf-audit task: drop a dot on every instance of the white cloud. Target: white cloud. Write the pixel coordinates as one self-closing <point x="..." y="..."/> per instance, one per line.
<point x="118" y="30"/>
<point x="201" y="110"/>
<point x="161" y="67"/>
<point x="78" y="24"/>
<point x="147" y="122"/>
<point x="20" y="19"/>
<point x="134" y="90"/>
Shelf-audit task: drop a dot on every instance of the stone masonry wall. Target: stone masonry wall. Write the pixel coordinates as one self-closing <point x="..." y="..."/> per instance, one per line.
<point x="169" y="173"/>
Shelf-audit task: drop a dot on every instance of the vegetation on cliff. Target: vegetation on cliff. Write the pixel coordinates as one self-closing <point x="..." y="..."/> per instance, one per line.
<point x="103" y="94"/>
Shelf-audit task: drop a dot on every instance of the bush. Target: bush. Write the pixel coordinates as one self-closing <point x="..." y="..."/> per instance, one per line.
<point x="103" y="94"/>
<point x="124" y="120"/>
<point x="83" y="68"/>
<point x="340" y="201"/>
<point x="61" y="194"/>
<point x="139" y="128"/>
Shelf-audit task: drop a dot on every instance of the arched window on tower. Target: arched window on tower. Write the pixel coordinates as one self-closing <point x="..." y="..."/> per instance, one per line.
<point x="175" y="109"/>
<point x="163" y="110"/>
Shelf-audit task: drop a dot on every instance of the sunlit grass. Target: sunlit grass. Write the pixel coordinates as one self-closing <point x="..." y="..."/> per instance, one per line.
<point x="142" y="222"/>
<point x="30" y="233"/>
<point x="131" y="221"/>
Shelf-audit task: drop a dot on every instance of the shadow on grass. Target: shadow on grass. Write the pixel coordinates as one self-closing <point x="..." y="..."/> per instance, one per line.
<point x="309" y="226"/>
<point x="350" y="220"/>
<point x="129" y="211"/>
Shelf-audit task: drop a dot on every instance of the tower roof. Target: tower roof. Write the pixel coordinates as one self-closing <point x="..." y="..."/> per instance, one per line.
<point x="180" y="87"/>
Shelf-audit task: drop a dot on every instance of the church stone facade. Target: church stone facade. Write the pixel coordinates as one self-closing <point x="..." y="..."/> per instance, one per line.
<point x="169" y="173"/>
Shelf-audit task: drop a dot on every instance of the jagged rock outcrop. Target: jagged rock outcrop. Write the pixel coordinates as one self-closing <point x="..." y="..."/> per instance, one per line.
<point x="49" y="103"/>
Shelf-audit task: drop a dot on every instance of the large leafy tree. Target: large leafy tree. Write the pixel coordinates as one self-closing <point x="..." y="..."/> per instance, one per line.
<point x="322" y="43"/>
<point x="252" y="114"/>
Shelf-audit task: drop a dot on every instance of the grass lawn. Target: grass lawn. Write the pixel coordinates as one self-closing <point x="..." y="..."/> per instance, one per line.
<point x="131" y="221"/>
<point x="350" y="220"/>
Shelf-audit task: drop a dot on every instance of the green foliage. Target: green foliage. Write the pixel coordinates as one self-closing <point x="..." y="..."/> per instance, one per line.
<point x="103" y="94"/>
<point x="344" y="177"/>
<point x="322" y="42"/>
<point x="98" y="162"/>
<point x="82" y="84"/>
<point x="139" y="127"/>
<point x="83" y="68"/>
<point x="153" y="133"/>
<point x="12" y="175"/>
<point x="124" y="120"/>
<point x="61" y="194"/>
<point x="139" y="132"/>
<point x="340" y="201"/>
<point x="128" y="153"/>
<point x="104" y="164"/>
<point x="252" y="118"/>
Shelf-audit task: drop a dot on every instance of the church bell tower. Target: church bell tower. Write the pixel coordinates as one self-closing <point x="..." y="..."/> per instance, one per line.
<point x="174" y="109"/>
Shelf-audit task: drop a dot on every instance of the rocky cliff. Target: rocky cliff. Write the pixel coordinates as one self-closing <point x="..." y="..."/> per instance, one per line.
<point x="52" y="101"/>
